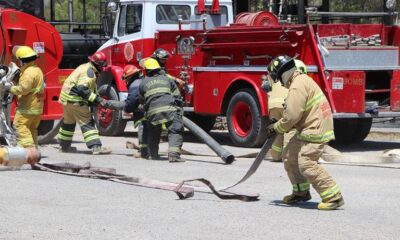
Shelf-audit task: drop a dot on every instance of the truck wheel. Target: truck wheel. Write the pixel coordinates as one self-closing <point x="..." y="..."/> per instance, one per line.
<point x="108" y="121"/>
<point x="48" y="130"/>
<point x="205" y="122"/>
<point x="246" y="124"/>
<point x="345" y="129"/>
<point x="363" y="128"/>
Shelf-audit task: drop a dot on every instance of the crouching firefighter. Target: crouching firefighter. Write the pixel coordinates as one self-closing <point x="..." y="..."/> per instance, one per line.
<point x="161" y="99"/>
<point x="133" y="78"/>
<point x="276" y="100"/>
<point x="307" y="110"/>
<point x="29" y="92"/>
<point x="78" y="93"/>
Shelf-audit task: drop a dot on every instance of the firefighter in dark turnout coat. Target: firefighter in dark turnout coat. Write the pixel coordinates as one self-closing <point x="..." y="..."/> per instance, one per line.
<point x="161" y="100"/>
<point x="133" y="78"/>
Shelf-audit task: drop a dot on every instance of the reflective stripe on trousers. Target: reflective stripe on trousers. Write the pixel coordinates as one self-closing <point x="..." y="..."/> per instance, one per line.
<point x="82" y="115"/>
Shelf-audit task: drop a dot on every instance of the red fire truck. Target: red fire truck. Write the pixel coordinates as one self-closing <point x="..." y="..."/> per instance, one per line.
<point x="356" y="65"/>
<point x="222" y="59"/>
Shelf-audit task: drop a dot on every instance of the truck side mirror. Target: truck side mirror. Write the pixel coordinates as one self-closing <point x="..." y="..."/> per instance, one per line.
<point x="112" y="7"/>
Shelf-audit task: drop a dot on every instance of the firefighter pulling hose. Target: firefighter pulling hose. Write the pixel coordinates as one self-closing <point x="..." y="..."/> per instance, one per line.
<point x="307" y="110"/>
<point x="11" y="155"/>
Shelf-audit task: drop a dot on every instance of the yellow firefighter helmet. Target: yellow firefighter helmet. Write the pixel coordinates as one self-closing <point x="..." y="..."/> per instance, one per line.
<point x="25" y="52"/>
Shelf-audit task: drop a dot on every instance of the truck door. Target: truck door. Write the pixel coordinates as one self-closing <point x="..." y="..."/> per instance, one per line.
<point x="129" y="46"/>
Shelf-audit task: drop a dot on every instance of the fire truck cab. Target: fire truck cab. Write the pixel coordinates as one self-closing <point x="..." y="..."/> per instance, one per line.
<point x="134" y="36"/>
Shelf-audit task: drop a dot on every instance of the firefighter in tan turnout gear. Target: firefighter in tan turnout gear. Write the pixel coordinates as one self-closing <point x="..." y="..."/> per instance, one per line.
<point x="307" y="110"/>
<point x="276" y="100"/>
<point x="29" y="92"/>
<point x="78" y="93"/>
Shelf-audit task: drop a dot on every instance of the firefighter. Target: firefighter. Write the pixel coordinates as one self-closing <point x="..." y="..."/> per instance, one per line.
<point x="161" y="98"/>
<point x="307" y="110"/>
<point x="133" y="78"/>
<point x="29" y="92"/>
<point x="276" y="100"/>
<point x="78" y="93"/>
<point x="162" y="55"/>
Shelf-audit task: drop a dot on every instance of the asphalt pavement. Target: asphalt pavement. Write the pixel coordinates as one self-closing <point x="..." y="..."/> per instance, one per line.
<point x="41" y="205"/>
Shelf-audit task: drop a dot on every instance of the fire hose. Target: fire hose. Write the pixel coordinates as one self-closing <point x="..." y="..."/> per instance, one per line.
<point x="182" y="189"/>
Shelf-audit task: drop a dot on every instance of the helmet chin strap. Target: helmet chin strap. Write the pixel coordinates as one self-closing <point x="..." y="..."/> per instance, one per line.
<point x="97" y="66"/>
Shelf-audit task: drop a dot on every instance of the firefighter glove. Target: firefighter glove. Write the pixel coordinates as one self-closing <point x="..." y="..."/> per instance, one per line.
<point x="270" y="130"/>
<point x="84" y="92"/>
<point x="179" y="101"/>
<point x="100" y="101"/>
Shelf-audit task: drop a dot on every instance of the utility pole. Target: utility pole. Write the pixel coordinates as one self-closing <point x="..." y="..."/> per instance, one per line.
<point x="242" y="6"/>
<point x="325" y="8"/>
<point x="388" y="7"/>
<point x="301" y="5"/>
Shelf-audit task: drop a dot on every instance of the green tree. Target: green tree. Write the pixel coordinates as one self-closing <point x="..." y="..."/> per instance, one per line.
<point x="93" y="12"/>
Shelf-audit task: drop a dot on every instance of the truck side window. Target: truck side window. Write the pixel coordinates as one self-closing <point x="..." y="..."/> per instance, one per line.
<point x="168" y="14"/>
<point x="130" y="20"/>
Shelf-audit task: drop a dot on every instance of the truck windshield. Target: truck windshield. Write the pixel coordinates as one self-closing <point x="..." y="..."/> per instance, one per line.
<point x="168" y="14"/>
<point x="130" y="19"/>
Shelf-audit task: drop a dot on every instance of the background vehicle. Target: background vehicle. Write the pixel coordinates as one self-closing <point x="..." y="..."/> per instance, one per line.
<point x="63" y="43"/>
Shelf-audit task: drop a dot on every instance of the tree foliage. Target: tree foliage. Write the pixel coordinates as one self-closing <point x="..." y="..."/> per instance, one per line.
<point x="335" y="5"/>
<point x="93" y="11"/>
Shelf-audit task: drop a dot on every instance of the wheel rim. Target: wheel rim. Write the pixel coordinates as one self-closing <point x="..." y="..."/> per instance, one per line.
<point x="104" y="115"/>
<point x="242" y="118"/>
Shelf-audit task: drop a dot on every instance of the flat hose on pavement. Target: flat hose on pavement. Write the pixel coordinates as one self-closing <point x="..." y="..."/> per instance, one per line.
<point x="224" y="154"/>
<point x="219" y="192"/>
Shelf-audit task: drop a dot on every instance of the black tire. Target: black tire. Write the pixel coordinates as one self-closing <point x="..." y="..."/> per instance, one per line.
<point x="345" y="129"/>
<point x="205" y="122"/>
<point x="109" y="122"/>
<point x="48" y="130"/>
<point x="351" y="130"/>
<point x="363" y="128"/>
<point x="246" y="124"/>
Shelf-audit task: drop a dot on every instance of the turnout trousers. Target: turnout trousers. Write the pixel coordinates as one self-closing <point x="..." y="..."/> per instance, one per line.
<point x="301" y="165"/>
<point x="142" y="138"/>
<point x="78" y="114"/>
<point x="175" y="129"/>
<point x="26" y="127"/>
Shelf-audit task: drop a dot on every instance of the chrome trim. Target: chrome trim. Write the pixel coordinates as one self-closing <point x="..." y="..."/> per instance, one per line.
<point x="188" y="109"/>
<point x="122" y="96"/>
<point x="350" y="68"/>
<point x="310" y="68"/>
<point x="366" y="115"/>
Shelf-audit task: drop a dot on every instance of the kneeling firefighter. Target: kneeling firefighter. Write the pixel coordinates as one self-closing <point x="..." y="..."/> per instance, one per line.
<point x="276" y="100"/>
<point x="78" y="93"/>
<point x="133" y="78"/>
<point x="161" y="104"/>
<point x="307" y="110"/>
<point x="30" y="97"/>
